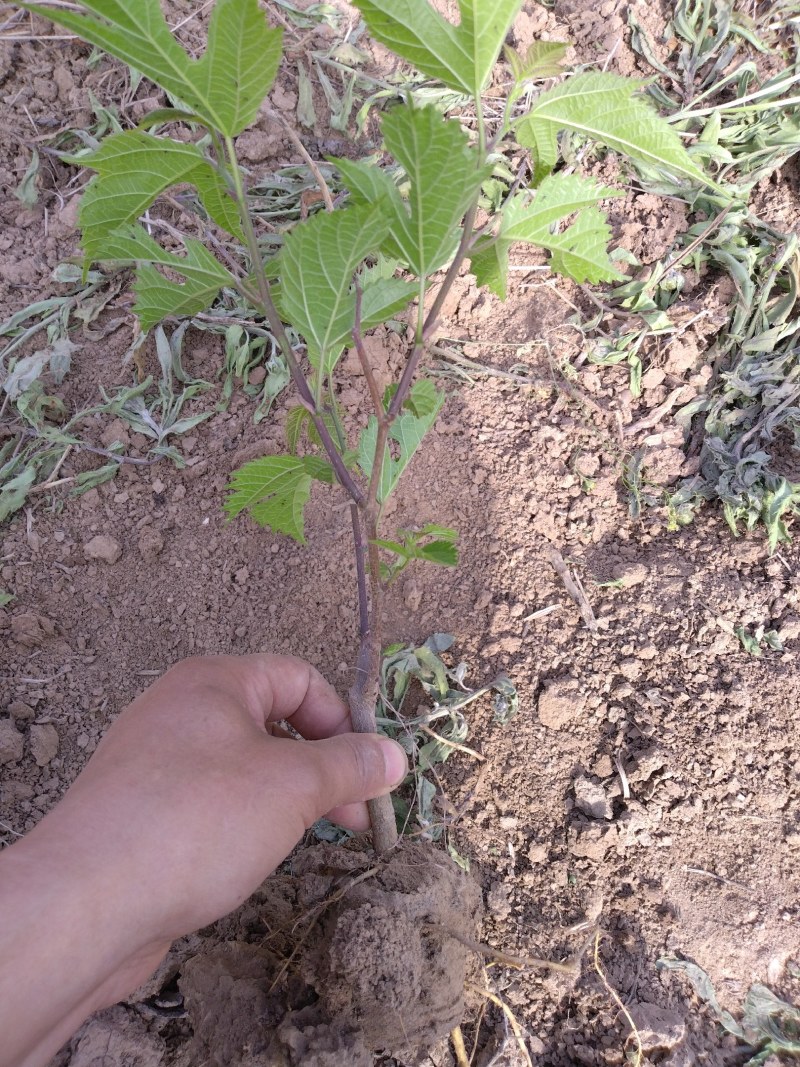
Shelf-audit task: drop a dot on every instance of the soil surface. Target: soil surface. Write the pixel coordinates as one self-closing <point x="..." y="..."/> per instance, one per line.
<point x="647" y="790"/>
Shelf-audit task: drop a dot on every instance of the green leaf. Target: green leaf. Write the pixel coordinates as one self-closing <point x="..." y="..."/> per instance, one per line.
<point x="579" y="249"/>
<point x="542" y="60"/>
<point x="87" y="480"/>
<point x="225" y="87"/>
<point x="418" y="544"/>
<point x="407" y="432"/>
<point x="306" y="113"/>
<point x="318" y="261"/>
<point x="777" y="503"/>
<point x="275" y="490"/>
<point x="15" y="492"/>
<point x="5" y="598"/>
<point x="157" y="297"/>
<point x="424" y="400"/>
<point x="133" y="168"/>
<point x="383" y="298"/>
<point x="427" y="147"/>
<point x="444" y="553"/>
<point x="751" y="644"/>
<point x="295" y="420"/>
<point x="604" y="107"/>
<point x="26" y="192"/>
<point x="299" y="420"/>
<point x="505" y="700"/>
<point x="424" y="233"/>
<point x="704" y="989"/>
<point x="460" y="56"/>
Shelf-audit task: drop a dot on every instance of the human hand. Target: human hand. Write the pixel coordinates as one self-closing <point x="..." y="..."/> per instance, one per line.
<point x="192" y="798"/>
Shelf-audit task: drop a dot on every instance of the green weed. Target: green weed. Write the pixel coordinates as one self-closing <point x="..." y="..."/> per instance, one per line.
<point x="769" y="1026"/>
<point x="742" y="131"/>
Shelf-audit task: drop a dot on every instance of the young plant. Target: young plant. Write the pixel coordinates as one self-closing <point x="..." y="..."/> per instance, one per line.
<point x="348" y="269"/>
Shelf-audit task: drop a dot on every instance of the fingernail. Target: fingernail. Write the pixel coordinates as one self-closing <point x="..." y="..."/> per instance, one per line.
<point x="395" y="761"/>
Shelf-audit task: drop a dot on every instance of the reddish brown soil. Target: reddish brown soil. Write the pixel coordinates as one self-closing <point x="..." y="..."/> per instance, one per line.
<point x="701" y="860"/>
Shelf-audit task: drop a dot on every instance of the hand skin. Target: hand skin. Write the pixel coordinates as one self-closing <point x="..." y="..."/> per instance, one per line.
<point x="192" y="798"/>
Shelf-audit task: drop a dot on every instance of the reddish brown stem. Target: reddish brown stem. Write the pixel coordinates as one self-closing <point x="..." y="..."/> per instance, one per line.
<point x="432" y="317"/>
<point x="366" y="366"/>
<point x="365" y="509"/>
<point x="364" y="691"/>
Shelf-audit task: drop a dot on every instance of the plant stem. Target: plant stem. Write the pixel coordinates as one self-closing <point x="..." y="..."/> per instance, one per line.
<point x="364" y="691"/>
<point x="430" y="321"/>
<point x="276" y="326"/>
<point x="365" y="509"/>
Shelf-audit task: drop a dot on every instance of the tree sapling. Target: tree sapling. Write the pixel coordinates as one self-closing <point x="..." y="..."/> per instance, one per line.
<point x="399" y="239"/>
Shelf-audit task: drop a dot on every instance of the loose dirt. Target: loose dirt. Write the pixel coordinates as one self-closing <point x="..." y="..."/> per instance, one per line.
<point x="648" y="787"/>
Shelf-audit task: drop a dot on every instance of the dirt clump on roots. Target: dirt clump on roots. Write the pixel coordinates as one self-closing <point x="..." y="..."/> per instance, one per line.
<point x="376" y="964"/>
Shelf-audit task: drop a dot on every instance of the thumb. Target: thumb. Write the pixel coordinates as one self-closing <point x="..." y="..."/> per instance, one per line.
<point x="353" y="768"/>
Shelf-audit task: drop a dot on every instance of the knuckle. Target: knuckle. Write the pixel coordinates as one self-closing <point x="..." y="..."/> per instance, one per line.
<point x="188" y="670"/>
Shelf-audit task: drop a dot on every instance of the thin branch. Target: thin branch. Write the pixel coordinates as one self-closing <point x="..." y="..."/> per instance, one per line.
<point x="371" y="505"/>
<point x="509" y="1014"/>
<point x="616" y="998"/>
<point x="430" y="321"/>
<point x="193" y="15"/>
<point x="361" y="577"/>
<point x="505" y="959"/>
<point x="451" y="744"/>
<point x="319" y="177"/>
<point x="452" y="272"/>
<point x="364" y="691"/>
<point x="366" y="367"/>
<point x="577" y="594"/>
<point x="135" y="461"/>
<point x="459" y="1048"/>
<point x="279" y="333"/>
<point x="405" y="380"/>
<point x="686" y="252"/>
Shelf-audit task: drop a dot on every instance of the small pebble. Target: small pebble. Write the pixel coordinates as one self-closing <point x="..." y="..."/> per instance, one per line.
<point x="103" y="548"/>
<point x="44" y="743"/>
<point x="12" y="742"/>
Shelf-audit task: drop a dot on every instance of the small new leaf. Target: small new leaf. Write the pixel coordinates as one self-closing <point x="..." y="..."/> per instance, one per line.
<point x="434" y="544"/>
<point x="156" y="297"/>
<point x="299" y="421"/>
<point x="422" y="233"/>
<point x="579" y="249"/>
<point x="275" y="490"/>
<point x="318" y="261"/>
<point x="605" y="108"/>
<point x="224" y="87"/>
<point x="542" y="60"/>
<point x="407" y="432"/>
<point x="133" y="168"/>
<point x="444" y="553"/>
<point x="295" y="422"/>
<point x="383" y="298"/>
<point x="460" y="56"/>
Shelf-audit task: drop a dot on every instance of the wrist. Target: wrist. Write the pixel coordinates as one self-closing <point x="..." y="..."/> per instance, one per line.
<point x="65" y="942"/>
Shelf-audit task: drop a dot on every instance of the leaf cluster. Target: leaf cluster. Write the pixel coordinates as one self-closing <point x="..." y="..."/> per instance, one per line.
<point x="338" y="274"/>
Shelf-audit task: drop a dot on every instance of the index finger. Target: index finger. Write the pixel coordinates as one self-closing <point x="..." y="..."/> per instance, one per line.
<point x="285" y="687"/>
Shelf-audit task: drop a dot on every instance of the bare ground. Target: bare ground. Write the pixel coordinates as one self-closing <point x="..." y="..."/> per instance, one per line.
<point x="699" y="861"/>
